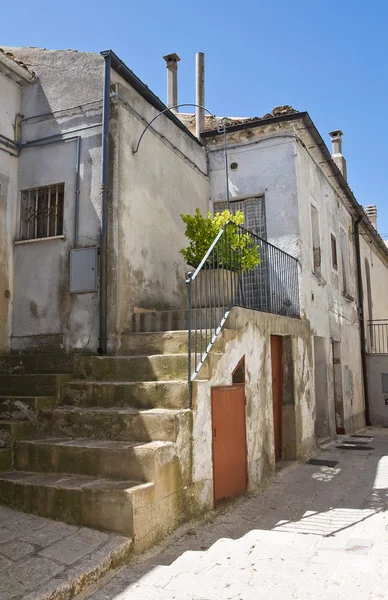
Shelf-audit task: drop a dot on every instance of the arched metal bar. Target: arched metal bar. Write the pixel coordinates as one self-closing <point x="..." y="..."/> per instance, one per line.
<point x="166" y="110"/>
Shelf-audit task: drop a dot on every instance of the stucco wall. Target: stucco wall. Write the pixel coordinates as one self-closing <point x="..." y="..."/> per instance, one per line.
<point x="168" y="176"/>
<point x="378" y="270"/>
<point x="10" y="98"/>
<point x="247" y="333"/>
<point x="378" y="408"/>
<point x="265" y="167"/>
<point x="332" y="315"/>
<point x="65" y="99"/>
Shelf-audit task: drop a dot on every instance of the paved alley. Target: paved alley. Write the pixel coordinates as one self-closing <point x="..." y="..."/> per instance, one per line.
<point x="317" y="532"/>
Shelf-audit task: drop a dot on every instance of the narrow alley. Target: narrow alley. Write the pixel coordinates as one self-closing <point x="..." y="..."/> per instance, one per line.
<point x="318" y="531"/>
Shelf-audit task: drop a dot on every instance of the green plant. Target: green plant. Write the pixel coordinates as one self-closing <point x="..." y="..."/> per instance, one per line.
<point x="235" y="250"/>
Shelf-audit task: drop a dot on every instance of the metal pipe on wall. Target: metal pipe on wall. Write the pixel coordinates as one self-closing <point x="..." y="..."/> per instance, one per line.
<point x="104" y="205"/>
<point x="200" y="93"/>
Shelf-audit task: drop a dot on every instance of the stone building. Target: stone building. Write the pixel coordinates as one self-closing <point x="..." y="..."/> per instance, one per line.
<point x="101" y="424"/>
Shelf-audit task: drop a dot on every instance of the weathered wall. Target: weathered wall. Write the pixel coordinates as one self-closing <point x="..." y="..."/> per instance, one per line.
<point x="65" y="99"/>
<point x="378" y="271"/>
<point x="273" y="160"/>
<point x="265" y="167"/>
<point x="332" y="314"/>
<point x="378" y="399"/>
<point x="10" y="98"/>
<point x="247" y="333"/>
<point x="168" y="176"/>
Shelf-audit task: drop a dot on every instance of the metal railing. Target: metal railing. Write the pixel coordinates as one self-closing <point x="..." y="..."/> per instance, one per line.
<point x="220" y="282"/>
<point x="378" y="336"/>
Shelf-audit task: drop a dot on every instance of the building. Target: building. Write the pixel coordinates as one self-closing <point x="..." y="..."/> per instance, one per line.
<point x="99" y="424"/>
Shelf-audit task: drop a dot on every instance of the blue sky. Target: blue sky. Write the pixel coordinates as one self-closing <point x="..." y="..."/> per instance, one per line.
<point x="326" y="57"/>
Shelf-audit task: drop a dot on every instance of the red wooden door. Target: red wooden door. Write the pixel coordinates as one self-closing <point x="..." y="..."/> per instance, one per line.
<point x="229" y="441"/>
<point x="277" y="392"/>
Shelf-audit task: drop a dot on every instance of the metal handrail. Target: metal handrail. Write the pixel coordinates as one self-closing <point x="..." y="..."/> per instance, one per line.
<point x="272" y="286"/>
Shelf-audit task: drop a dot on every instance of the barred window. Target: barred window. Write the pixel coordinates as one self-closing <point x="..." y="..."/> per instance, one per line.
<point x="254" y="213"/>
<point x="41" y="212"/>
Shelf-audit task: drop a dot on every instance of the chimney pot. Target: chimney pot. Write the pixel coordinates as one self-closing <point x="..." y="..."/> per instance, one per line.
<point x="336" y="153"/>
<point x="371" y="213"/>
<point x="172" y="79"/>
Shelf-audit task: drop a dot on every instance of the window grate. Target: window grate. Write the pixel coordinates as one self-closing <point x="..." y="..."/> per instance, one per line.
<point x="41" y="212"/>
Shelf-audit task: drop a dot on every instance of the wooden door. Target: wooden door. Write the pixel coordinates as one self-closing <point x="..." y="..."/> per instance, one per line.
<point x="229" y="441"/>
<point x="277" y="391"/>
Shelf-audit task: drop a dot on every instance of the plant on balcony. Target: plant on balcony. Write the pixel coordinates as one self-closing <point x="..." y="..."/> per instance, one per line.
<point x="235" y="250"/>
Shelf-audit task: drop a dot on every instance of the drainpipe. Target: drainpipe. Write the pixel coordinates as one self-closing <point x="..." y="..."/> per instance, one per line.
<point x="361" y="308"/>
<point x="104" y="205"/>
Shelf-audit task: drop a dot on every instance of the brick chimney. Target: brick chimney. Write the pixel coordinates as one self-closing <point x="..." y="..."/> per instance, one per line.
<point x="371" y="213"/>
<point x="172" y="79"/>
<point x="336" y="155"/>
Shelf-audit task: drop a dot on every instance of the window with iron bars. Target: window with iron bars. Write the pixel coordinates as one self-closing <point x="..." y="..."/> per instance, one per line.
<point x="41" y="212"/>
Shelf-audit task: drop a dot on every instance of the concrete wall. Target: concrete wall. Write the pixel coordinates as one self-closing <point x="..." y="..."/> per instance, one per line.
<point x="168" y="176"/>
<point x="378" y="399"/>
<point x="65" y="99"/>
<point x="10" y="98"/>
<point x="247" y="333"/>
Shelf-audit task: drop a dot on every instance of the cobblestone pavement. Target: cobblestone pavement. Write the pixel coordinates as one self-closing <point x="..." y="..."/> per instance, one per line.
<point x="41" y="559"/>
<point x="315" y="532"/>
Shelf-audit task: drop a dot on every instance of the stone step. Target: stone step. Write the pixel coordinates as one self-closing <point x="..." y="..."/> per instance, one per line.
<point x="31" y="385"/>
<point x="23" y="408"/>
<point x="161" y="342"/>
<point x="165" y="367"/>
<point x="129" y="424"/>
<point x="18" y="364"/>
<point x="5" y="459"/>
<point x="103" y="458"/>
<point x="138" y="394"/>
<point x="15" y="430"/>
<point x="105" y="504"/>
<point x="177" y="320"/>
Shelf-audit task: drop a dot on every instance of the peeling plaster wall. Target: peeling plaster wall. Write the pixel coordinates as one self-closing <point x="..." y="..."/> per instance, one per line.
<point x="10" y="99"/>
<point x="167" y="176"/>
<point x="66" y="97"/>
<point x="247" y="333"/>
<point x="266" y="167"/>
<point x="273" y="160"/>
<point x="331" y="314"/>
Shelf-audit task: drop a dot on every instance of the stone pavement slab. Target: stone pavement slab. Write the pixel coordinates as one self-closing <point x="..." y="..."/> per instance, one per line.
<point x="315" y="532"/>
<point x="42" y="559"/>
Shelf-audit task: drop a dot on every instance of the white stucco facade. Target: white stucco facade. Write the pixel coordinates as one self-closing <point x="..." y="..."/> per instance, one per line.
<point x="273" y="160"/>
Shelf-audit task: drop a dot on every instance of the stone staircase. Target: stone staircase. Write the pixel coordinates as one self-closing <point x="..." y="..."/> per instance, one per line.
<point x="101" y="441"/>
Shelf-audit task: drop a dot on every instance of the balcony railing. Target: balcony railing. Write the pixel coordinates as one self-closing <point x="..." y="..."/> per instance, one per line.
<point x="220" y="282"/>
<point x="378" y="336"/>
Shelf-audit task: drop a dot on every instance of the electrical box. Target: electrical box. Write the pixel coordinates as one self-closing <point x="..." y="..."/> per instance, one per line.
<point x="83" y="269"/>
<point x="384" y="377"/>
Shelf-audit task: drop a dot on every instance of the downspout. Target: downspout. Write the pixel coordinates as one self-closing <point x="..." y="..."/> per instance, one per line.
<point x="104" y="205"/>
<point x="362" y="322"/>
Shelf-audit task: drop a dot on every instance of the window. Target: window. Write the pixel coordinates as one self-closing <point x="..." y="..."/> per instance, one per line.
<point x="41" y="212"/>
<point x="316" y="241"/>
<point x="345" y="263"/>
<point x="334" y="259"/>
<point x="254" y="213"/>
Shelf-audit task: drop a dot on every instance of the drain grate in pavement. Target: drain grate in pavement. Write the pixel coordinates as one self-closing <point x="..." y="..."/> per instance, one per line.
<point x="354" y="447"/>
<point x="319" y="462"/>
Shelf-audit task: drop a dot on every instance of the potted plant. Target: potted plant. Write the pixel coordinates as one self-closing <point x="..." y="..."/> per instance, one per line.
<point x="234" y="253"/>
